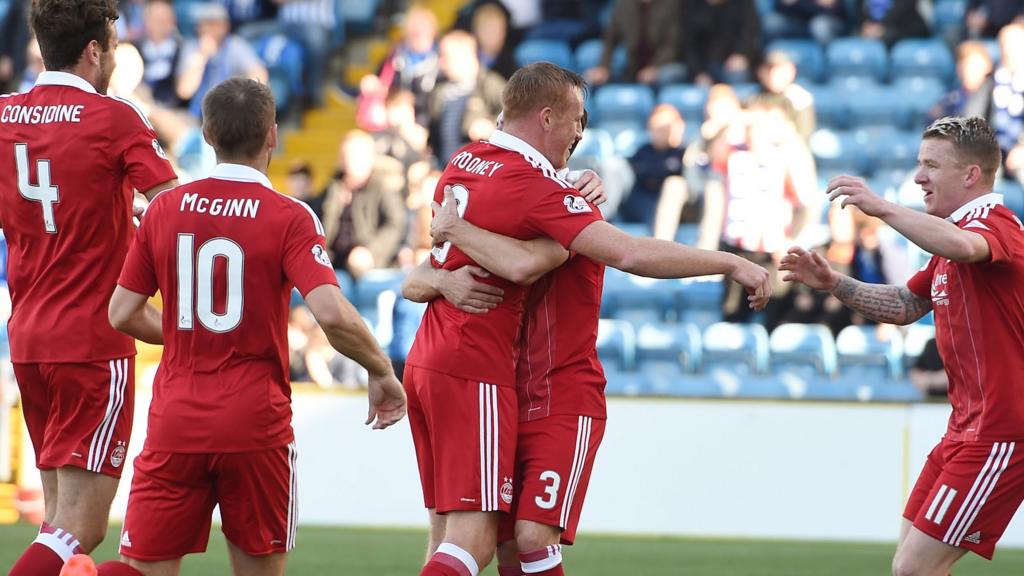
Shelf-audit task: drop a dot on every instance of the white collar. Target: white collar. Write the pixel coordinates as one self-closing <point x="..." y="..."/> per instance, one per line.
<point x="58" y="78"/>
<point x="240" y="173"/>
<point x="506" y="140"/>
<point x="990" y="198"/>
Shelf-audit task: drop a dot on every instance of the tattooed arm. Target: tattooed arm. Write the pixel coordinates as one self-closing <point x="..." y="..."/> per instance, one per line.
<point x="879" y="302"/>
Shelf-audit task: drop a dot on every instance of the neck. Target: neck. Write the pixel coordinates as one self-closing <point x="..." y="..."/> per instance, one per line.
<point x="83" y="71"/>
<point x="259" y="163"/>
<point x="526" y="134"/>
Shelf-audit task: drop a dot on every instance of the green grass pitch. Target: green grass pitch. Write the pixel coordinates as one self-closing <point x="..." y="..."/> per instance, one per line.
<point x="376" y="552"/>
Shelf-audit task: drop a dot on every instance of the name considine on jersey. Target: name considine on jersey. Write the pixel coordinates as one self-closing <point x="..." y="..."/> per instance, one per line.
<point x="242" y="207"/>
<point x="15" y="114"/>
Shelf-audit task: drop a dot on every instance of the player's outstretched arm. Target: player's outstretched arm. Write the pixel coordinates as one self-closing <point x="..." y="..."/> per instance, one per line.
<point x="879" y="302"/>
<point x="655" y="258"/>
<point x="131" y="313"/>
<point x="519" y="261"/>
<point x="152" y="192"/>
<point x="459" y="287"/>
<point x="348" y="334"/>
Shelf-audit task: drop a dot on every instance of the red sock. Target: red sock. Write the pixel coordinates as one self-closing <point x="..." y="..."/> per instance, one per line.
<point x="510" y="571"/>
<point x="544" y="562"/>
<point x="47" y="554"/>
<point x="435" y="568"/>
<point x="112" y="568"/>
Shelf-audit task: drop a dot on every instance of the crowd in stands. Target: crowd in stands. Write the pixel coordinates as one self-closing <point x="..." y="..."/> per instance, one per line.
<point x="713" y="122"/>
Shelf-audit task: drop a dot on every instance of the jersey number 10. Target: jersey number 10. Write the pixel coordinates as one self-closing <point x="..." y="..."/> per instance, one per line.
<point x="195" y="283"/>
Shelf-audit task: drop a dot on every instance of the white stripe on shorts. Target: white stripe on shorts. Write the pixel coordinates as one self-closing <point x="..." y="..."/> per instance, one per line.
<point x="982" y="488"/>
<point x="115" y="401"/>
<point x="293" y="502"/>
<point x="579" y="461"/>
<point x="488" y="447"/>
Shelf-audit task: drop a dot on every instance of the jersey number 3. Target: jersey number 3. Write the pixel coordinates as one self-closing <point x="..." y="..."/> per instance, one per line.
<point x="44" y="192"/>
<point x="195" y="283"/>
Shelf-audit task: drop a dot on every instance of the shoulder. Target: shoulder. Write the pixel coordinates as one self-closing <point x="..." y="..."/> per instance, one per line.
<point x="298" y="212"/>
<point x="124" y="113"/>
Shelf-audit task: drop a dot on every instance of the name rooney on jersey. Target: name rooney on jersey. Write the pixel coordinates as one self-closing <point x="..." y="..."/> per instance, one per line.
<point x="15" y="114"/>
<point x="474" y="165"/>
<point x="244" y="207"/>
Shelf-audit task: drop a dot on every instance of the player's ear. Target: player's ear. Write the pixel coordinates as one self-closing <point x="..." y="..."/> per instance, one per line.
<point x="546" y="117"/>
<point x="272" y="137"/>
<point x="91" y="52"/>
<point x="207" y="138"/>
<point x="972" y="176"/>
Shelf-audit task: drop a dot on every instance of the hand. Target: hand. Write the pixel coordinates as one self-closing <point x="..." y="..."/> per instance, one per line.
<point x="857" y="194"/>
<point x="446" y="217"/>
<point x="808" y="268"/>
<point x="461" y="288"/>
<point x="591" y="187"/>
<point x="387" y="401"/>
<point x="597" y="75"/>
<point x="755" y="279"/>
<point x="139" y="205"/>
<point x="208" y="45"/>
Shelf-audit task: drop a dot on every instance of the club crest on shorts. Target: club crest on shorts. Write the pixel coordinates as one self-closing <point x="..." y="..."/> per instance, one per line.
<point x="117" y="455"/>
<point x="320" y="255"/>
<point x="506" y="491"/>
<point x="576" y="204"/>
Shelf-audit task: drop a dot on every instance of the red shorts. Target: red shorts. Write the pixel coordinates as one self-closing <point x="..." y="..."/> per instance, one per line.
<point x="171" y="502"/>
<point x="79" y="414"/>
<point x="967" y="493"/>
<point x="465" y="437"/>
<point x="554" y="459"/>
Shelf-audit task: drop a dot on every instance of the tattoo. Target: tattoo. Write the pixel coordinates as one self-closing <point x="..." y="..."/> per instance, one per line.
<point x="882" y="302"/>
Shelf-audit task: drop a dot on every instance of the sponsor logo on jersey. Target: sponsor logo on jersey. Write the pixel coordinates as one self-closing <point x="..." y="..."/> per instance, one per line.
<point x="320" y="255"/>
<point x="576" y="204"/>
<point x="974" y="537"/>
<point x="117" y="456"/>
<point x="506" y="491"/>
<point x="940" y="294"/>
<point x="126" y="542"/>
<point x="159" y="149"/>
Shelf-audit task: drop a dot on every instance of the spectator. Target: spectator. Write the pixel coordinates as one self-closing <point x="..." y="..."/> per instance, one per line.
<point x="403" y="139"/>
<point x="777" y="75"/>
<point x="649" y="30"/>
<point x="466" y="103"/>
<point x="1008" y="99"/>
<point x="245" y="12"/>
<point x="131" y="22"/>
<point x="364" y="213"/>
<point x="33" y="66"/>
<point x="299" y="185"/>
<point x="312" y="358"/>
<point x="490" y="26"/>
<point x="421" y="194"/>
<point x="721" y="40"/>
<point x="974" y="95"/>
<point x="823" y="20"/>
<point x="14" y="37"/>
<point x="986" y="17"/>
<point x="654" y="164"/>
<point x="928" y="374"/>
<point x="214" y="56"/>
<point x="891" y="20"/>
<point x="161" y="48"/>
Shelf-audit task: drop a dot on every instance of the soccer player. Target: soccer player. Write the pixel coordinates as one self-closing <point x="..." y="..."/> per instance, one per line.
<point x="70" y="157"/>
<point x="460" y="374"/>
<point x="225" y="253"/>
<point x="973" y="480"/>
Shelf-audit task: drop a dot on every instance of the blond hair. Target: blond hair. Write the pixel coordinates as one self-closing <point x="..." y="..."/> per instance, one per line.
<point x="972" y="138"/>
<point x="539" y="85"/>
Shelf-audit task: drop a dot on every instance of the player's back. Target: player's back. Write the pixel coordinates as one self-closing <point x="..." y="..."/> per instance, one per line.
<point x="68" y="160"/>
<point x="221" y="250"/>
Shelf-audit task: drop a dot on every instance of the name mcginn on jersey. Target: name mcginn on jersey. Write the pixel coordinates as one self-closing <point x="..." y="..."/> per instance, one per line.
<point x="243" y="207"/>
<point x="16" y="114"/>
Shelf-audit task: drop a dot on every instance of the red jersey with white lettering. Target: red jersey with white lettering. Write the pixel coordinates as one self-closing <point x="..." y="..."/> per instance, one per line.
<point x="558" y="371"/>
<point x="69" y="159"/>
<point x="507" y="187"/>
<point x="224" y="253"/>
<point x="979" y="325"/>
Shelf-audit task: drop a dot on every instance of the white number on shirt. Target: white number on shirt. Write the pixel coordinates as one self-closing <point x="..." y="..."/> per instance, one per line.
<point x="551" y="490"/>
<point x="440" y="253"/>
<point x="45" y="193"/>
<point x="195" y="283"/>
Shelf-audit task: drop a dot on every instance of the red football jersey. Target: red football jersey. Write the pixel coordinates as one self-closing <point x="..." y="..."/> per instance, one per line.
<point x="509" y="188"/>
<point x="224" y="253"/>
<point x="979" y="325"/>
<point x="69" y="159"/>
<point x="558" y="371"/>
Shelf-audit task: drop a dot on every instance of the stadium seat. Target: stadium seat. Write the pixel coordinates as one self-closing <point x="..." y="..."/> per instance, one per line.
<point x="922" y="58"/>
<point x="948" y="16"/>
<point x="596" y="143"/>
<point x="699" y="300"/>
<point x="873" y="105"/>
<point x="914" y="342"/>
<point x="921" y="94"/>
<point x="839" y="151"/>
<point x="634" y="298"/>
<point x="744" y="90"/>
<point x="405" y="321"/>
<point x="829" y="389"/>
<point x="736" y="345"/>
<point x="900" y="391"/>
<point x="830" y="106"/>
<point x="588" y="55"/>
<point x="854" y="56"/>
<point x="861" y="351"/>
<point x="689" y="99"/>
<point x="554" y="51"/>
<point x="806" y="54"/>
<point x="696" y="386"/>
<point x="284" y="60"/>
<point x="616" y="344"/>
<point x="1013" y="195"/>
<point x="628" y="140"/>
<point x="660" y="378"/>
<point x="660" y="342"/>
<point x="359" y="15"/>
<point x="370" y="285"/>
<point x="891" y="150"/>
<point x="795" y="345"/>
<point x="347" y="284"/>
<point x="622" y="383"/>
<point x="736" y="385"/>
<point x="688" y="234"/>
<point x="623" y="103"/>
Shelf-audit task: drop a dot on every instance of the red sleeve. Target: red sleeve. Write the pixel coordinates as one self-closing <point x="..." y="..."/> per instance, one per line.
<point x="1001" y="229"/>
<point x="921" y="282"/>
<point x="561" y="214"/>
<point x="306" y="261"/>
<point x="145" y="163"/>
<point x="138" y="273"/>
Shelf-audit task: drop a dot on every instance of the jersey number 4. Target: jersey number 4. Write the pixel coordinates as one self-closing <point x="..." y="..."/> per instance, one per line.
<point x="195" y="283"/>
<point x="44" y="192"/>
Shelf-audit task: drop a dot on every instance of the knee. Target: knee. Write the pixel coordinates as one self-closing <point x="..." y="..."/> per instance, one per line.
<point x="90" y="535"/>
<point x="531" y="536"/>
<point x="904" y="565"/>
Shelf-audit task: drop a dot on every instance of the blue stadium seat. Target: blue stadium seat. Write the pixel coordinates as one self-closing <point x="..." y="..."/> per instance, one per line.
<point x="900" y="391"/>
<point x="623" y="383"/>
<point x="554" y="51"/>
<point x="830" y="106"/>
<point x="588" y="55"/>
<point x="892" y="150"/>
<point x="623" y="103"/>
<point x="860" y="350"/>
<point x="186" y="11"/>
<point x="616" y="344"/>
<point x="660" y="378"/>
<point x="347" y="284"/>
<point x="1013" y="195"/>
<point x="697" y="386"/>
<point x="877" y="106"/>
<point x="806" y="54"/>
<point x="922" y="57"/>
<point x="405" y="321"/>
<point x="628" y="140"/>
<point x="596" y="143"/>
<point x="284" y="59"/>
<point x="853" y="56"/>
<point x="948" y="15"/>
<point x="914" y="342"/>
<point x="739" y="346"/>
<point x="699" y="300"/>
<point x="634" y="298"/>
<point x="359" y="15"/>
<point x="920" y="94"/>
<point x="737" y="385"/>
<point x="803" y="345"/>
<point x="660" y="342"/>
<point x="688" y="234"/>
<point x="839" y="151"/>
<point x="689" y="99"/>
<point x="828" y="389"/>
<point x="744" y="90"/>
<point x="369" y="287"/>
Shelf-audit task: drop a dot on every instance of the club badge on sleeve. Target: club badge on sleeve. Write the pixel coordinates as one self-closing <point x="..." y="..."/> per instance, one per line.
<point x="576" y="204"/>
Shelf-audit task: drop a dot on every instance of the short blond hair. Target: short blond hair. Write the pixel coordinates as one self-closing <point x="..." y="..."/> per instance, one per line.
<point x="539" y="85"/>
<point x="972" y="138"/>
